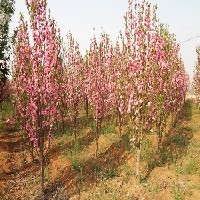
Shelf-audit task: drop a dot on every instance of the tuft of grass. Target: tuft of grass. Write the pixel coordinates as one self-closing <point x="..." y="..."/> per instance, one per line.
<point x="108" y="129"/>
<point x="155" y="189"/>
<point x="7" y="110"/>
<point x="77" y="165"/>
<point x="147" y="150"/>
<point x="23" y="156"/>
<point x="192" y="167"/>
<point x="106" y="191"/>
<point x="177" y="192"/>
<point x="110" y="172"/>
<point x="127" y="170"/>
<point x="96" y="168"/>
<point x="46" y="175"/>
<point x="126" y="143"/>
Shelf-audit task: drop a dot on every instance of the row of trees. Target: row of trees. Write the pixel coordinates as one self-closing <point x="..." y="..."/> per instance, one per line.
<point x="141" y="75"/>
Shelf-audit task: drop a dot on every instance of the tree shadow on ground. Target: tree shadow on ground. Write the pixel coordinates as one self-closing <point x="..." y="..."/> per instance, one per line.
<point x="83" y="174"/>
<point x="29" y="168"/>
<point x="176" y="141"/>
<point x="13" y="146"/>
<point x="81" y="142"/>
<point x="185" y="114"/>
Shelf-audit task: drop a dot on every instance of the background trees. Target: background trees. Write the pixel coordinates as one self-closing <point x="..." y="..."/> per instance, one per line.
<point x="197" y="76"/>
<point x="6" y="11"/>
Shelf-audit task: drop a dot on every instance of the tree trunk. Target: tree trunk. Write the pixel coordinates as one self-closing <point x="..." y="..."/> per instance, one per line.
<point x="41" y="133"/>
<point x="119" y="123"/>
<point x="75" y="120"/>
<point x="42" y="167"/>
<point x="97" y="132"/>
<point x="86" y="107"/>
<point x="63" y="125"/>
<point x="159" y="135"/>
<point x="75" y="129"/>
<point x="31" y="151"/>
<point x="138" y="175"/>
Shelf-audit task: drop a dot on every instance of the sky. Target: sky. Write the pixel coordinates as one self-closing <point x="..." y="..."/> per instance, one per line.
<point x="84" y="18"/>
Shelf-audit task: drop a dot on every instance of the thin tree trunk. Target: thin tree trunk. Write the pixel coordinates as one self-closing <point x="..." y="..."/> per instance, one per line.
<point x="138" y="175"/>
<point x="173" y="119"/>
<point x="159" y="140"/>
<point x="119" y="123"/>
<point x="75" y="119"/>
<point x="98" y="128"/>
<point x="86" y="108"/>
<point x="1" y="106"/>
<point x="31" y="150"/>
<point x="42" y="167"/>
<point x="41" y="148"/>
<point x="62" y="126"/>
<point x="159" y="135"/>
<point x="75" y="129"/>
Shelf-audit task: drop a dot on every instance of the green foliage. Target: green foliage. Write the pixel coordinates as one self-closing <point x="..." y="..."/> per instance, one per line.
<point x="6" y="11"/>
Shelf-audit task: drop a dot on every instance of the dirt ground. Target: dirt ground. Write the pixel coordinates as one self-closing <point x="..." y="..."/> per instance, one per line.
<point x="73" y="172"/>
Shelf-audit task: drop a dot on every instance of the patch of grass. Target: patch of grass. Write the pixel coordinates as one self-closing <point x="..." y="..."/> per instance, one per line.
<point x="147" y="150"/>
<point x="155" y="189"/>
<point x="190" y="164"/>
<point x="23" y="155"/>
<point x="177" y="192"/>
<point x="110" y="172"/>
<point x="80" y="179"/>
<point x="126" y="143"/>
<point x="74" y="155"/>
<point x="76" y="165"/>
<point x="64" y="150"/>
<point x="46" y="175"/>
<point x="91" y="124"/>
<point x="108" y="129"/>
<point x="197" y="186"/>
<point x="104" y="192"/>
<point x="195" y="108"/>
<point x="7" y="110"/>
<point x="191" y="167"/>
<point x="127" y="170"/>
<point x="180" y="139"/>
<point x="96" y="168"/>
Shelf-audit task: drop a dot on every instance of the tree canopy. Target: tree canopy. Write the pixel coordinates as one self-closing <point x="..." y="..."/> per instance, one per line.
<point x="6" y="11"/>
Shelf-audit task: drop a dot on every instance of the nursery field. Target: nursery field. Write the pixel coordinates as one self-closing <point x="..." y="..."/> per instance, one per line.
<point x="73" y="172"/>
<point x="113" y="123"/>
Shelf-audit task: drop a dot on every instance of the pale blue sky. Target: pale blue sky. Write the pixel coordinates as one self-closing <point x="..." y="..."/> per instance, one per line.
<point x="81" y="16"/>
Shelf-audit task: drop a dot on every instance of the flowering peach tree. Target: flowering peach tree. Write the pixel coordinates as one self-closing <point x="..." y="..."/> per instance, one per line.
<point x="35" y="69"/>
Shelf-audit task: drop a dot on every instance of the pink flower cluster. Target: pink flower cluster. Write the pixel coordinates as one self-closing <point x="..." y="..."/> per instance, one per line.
<point x="142" y="74"/>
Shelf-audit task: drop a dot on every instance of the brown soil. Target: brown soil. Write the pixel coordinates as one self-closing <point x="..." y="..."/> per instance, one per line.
<point x="109" y="176"/>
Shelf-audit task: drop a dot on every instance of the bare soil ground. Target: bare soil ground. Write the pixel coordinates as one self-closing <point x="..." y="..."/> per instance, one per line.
<point x="74" y="173"/>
